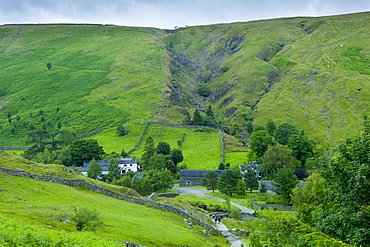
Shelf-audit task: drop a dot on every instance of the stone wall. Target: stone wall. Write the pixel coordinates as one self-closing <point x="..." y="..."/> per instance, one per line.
<point x="14" y="148"/>
<point x="167" y="195"/>
<point x="89" y="134"/>
<point x="107" y="192"/>
<point x="271" y="206"/>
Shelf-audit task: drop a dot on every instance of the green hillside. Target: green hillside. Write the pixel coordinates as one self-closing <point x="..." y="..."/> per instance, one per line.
<point x="43" y="204"/>
<point x="312" y="72"/>
<point x="100" y="76"/>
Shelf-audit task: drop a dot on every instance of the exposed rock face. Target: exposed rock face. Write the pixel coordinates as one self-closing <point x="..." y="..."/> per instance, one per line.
<point x="220" y="92"/>
<point x="130" y="244"/>
<point x="204" y="67"/>
<point x="227" y="101"/>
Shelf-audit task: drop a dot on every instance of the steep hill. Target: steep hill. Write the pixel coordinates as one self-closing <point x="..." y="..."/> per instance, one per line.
<point x="100" y="76"/>
<point x="312" y="72"/>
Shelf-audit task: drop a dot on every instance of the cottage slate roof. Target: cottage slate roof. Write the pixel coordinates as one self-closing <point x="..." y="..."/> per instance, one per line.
<point x="198" y="173"/>
<point x="122" y="161"/>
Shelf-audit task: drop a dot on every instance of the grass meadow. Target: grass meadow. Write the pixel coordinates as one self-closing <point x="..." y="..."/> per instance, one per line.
<point x="201" y="150"/>
<point x="41" y="204"/>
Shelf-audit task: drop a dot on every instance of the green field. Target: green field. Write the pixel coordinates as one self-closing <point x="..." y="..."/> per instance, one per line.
<point x="201" y="150"/>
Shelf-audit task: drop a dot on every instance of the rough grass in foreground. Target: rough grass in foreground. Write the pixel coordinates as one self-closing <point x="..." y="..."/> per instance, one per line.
<point x="123" y="221"/>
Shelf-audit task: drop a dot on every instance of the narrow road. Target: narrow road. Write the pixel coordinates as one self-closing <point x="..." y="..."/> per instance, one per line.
<point x="201" y="192"/>
<point x="233" y="240"/>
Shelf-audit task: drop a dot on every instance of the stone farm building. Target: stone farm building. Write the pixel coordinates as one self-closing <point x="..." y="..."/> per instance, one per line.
<point x="195" y="177"/>
<point x="125" y="164"/>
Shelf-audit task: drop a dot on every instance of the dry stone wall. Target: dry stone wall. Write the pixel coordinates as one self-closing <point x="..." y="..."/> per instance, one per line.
<point x="271" y="206"/>
<point x="107" y="192"/>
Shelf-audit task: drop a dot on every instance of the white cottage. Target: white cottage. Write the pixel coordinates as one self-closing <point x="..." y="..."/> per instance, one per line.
<point x="128" y="164"/>
<point x="125" y="165"/>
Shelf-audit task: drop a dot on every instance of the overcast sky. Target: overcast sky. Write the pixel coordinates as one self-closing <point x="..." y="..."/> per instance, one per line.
<point x="168" y="13"/>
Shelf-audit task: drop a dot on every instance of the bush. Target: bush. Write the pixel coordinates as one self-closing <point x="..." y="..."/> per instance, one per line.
<point x="224" y="69"/>
<point x="16" y="233"/>
<point x="85" y="219"/>
<point x="203" y="90"/>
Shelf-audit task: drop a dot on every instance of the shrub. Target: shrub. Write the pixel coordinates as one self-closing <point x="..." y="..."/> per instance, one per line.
<point x="85" y="219"/>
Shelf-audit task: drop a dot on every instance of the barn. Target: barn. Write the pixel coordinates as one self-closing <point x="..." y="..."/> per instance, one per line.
<point x="195" y="177"/>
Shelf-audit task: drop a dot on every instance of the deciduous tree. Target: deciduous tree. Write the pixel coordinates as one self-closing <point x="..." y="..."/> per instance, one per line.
<point x="114" y="171"/>
<point x="271" y="126"/>
<point x="259" y="142"/>
<point x="94" y="170"/>
<point x="210" y="181"/>
<point x="240" y="188"/>
<point x="125" y="181"/>
<point x="301" y="147"/>
<point x="85" y="149"/>
<point x="163" y="148"/>
<point x="249" y="127"/>
<point x="121" y="131"/>
<point x="284" y="131"/>
<point x="176" y="156"/>
<point x="146" y="186"/>
<point x="157" y="162"/>
<point x="275" y="158"/>
<point x="285" y="181"/>
<point x="346" y="213"/>
<point x="161" y="179"/>
<point x="66" y="136"/>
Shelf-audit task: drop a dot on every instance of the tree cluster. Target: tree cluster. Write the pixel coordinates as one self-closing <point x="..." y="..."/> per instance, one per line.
<point x="231" y="181"/>
<point x="161" y="156"/>
<point x="161" y="165"/>
<point x="199" y="119"/>
<point x="17" y="125"/>
<point x="335" y="201"/>
<point x="283" y="152"/>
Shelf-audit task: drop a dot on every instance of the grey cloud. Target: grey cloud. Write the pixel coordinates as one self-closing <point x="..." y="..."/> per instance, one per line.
<point x="168" y="13"/>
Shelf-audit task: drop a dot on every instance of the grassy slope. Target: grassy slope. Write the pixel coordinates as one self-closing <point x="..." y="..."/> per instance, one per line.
<point x="101" y="75"/>
<point x="123" y="221"/>
<point x="327" y="105"/>
<point x="320" y="93"/>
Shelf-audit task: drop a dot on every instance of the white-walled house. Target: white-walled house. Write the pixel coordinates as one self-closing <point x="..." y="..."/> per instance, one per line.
<point x="128" y="164"/>
<point x="125" y="165"/>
